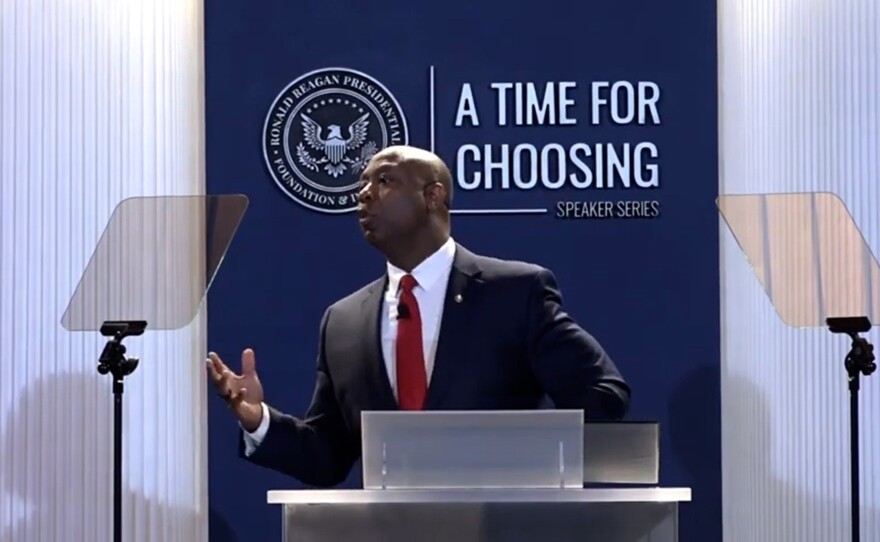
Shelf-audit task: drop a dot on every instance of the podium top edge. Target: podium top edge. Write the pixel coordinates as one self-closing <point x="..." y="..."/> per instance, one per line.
<point x="557" y="412"/>
<point x="400" y="496"/>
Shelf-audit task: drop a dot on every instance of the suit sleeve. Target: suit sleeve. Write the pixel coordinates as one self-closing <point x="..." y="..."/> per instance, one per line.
<point x="570" y="364"/>
<point x="316" y="449"/>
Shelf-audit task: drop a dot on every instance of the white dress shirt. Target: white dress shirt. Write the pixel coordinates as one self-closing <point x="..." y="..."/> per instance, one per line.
<point x="432" y="277"/>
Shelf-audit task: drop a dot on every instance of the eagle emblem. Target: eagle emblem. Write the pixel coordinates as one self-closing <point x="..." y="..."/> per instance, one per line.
<point x="335" y="147"/>
<point x="321" y="132"/>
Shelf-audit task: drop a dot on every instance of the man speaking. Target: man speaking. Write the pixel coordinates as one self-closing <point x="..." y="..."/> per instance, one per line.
<point x="442" y="329"/>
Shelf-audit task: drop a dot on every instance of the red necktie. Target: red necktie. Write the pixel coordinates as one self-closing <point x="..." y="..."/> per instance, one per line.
<point x="412" y="383"/>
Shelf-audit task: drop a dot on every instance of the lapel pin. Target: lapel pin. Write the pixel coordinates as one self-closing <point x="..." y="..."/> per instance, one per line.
<point x="458" y="298"/>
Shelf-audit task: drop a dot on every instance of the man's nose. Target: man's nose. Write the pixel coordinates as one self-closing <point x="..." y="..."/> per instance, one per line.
<point x="366" y="192"/>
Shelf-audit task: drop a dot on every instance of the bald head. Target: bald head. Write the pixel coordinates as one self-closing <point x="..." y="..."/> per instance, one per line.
<point x="421" y="163"/>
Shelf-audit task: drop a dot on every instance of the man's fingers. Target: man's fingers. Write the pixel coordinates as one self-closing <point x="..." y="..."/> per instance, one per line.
<point x="218" y="379"/>
<point x="215" y="376"/>
<point x="218" y="364"/>
<point x="219" y="369"/>
<point x="226" y="381"/>
<point x="248" y="363"/>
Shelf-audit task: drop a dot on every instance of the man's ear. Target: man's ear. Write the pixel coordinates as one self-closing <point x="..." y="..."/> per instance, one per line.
<point x="435" y="196"/>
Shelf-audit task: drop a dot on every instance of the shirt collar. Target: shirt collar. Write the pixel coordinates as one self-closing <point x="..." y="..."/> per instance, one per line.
<point x="428" y="273"/>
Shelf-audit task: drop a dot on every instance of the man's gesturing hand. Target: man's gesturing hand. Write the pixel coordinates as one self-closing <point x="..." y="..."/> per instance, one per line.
<point x="243" y="393"/>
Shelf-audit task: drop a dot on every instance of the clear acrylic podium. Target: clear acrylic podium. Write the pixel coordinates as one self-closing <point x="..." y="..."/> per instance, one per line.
<point x="510" y="476"/>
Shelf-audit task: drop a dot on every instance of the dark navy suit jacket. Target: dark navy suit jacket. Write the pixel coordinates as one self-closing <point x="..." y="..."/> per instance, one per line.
<point x="507" y="344"/>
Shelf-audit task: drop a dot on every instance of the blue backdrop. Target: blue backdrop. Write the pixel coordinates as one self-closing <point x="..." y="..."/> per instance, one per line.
<point x="581" y="137"/>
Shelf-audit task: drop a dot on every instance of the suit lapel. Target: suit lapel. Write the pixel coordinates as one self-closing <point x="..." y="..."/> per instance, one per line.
<point x="458" y="305"/>
<point x="380" y="386"/>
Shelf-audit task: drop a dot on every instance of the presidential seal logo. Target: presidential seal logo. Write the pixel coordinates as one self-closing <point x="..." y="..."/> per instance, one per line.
<point x="321" y="132"/>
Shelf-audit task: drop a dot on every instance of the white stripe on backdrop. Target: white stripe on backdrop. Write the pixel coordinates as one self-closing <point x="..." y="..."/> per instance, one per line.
<point x="799" y="87"/>
<point x="100" y="100"/>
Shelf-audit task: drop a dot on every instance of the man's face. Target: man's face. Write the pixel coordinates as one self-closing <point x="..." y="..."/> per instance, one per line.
<point x="392" y="200"/>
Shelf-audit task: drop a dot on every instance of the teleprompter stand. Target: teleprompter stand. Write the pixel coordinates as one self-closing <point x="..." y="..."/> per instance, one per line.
<point x="859" y="361"/>
<point x="154" y="263"/>
<point x="817" y="270"/>
<point x="114" y="362"/>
